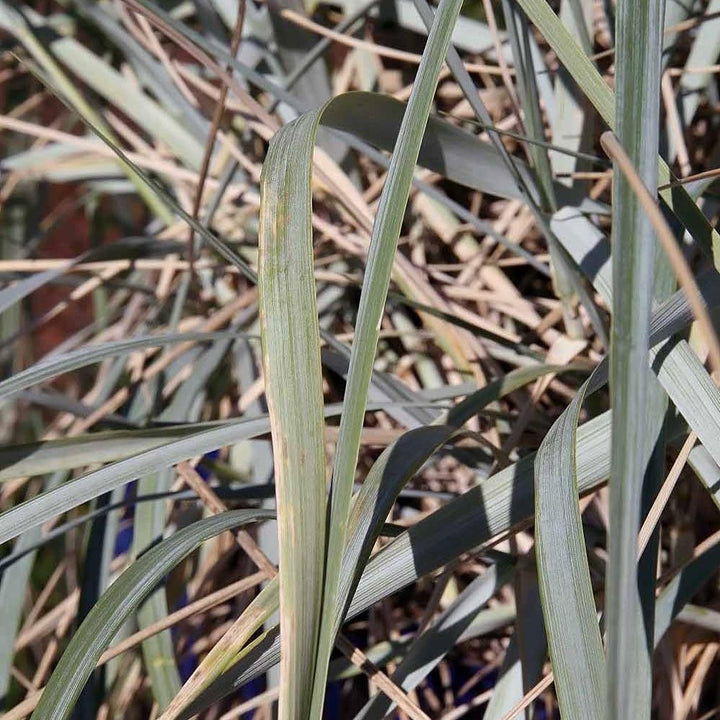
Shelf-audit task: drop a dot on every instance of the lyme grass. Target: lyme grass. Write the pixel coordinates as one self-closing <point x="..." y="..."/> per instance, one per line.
<point x="432" y="398"/>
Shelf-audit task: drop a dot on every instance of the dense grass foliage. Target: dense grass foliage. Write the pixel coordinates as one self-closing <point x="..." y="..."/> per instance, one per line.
<point x="360" y="359"/>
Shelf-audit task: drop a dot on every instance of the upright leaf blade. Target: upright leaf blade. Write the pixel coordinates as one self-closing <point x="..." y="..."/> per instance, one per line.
<point x="292" y="371"/>
<point x="601" y="96"/>
<point x="293" y="387"/>
<point x="571" y="623"/>
<point x="639" y="47"/>
<point x="383" y="244"/>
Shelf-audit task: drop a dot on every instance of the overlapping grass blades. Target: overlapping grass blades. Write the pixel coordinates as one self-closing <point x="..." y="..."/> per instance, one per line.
<point x="118" y="602"/>
<point x="602" y="97"/>
<point x="576" y="649"/>
<point x="327" y="571"/>
<point x="392" y="470"/>
<point x="310" y="580"/>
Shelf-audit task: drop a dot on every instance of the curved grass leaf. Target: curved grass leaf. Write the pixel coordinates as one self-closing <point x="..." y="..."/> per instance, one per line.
<point x="293" y="387"/>
<point x="119" y="601"/>
<point x="388" y="475"/>
<point x="39" y="458"/>
<point x="576" y="649"/>
<point x="446" y="149"/>
<point x="383" y="244"/>
<point x="36" y="511"/>
<point x="502" y="503"/>
<point x="310" y="580"/>
<point x="58" y="364"/>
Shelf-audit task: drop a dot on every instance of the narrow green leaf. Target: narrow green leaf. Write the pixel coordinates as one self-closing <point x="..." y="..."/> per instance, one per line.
<point x="371" y="505"/>
<point x="118" y="602"/>
<point x="36" y="511"/>
<point x="54" y="365"/>
<point x="501" y="503"/>
<point x="287" y="297"/>
<point x="149" y="526"/>
<point x="572" y="117"/>
<point x="637" y="111"/>
<point x="13" y="586"/>
<point x="576" y="649"/>
<point x="293" y="387"/>
<point x="383" y="244"/>
<point x="597" y="91"/>
<point x="526" y="73"/>
<point x="43" y="457"/>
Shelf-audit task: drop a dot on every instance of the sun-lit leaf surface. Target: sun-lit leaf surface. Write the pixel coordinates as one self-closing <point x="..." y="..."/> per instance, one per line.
<point x="388" y="475"/>
<point x="293" y="377"/>
<point x="576" y="649"/>
<point x="121" y="599"/>
<point x="503" y="501"/>
<point x="637" y="111"/>
<point x="471" y="313"/>
<point x="310" y="580"/>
